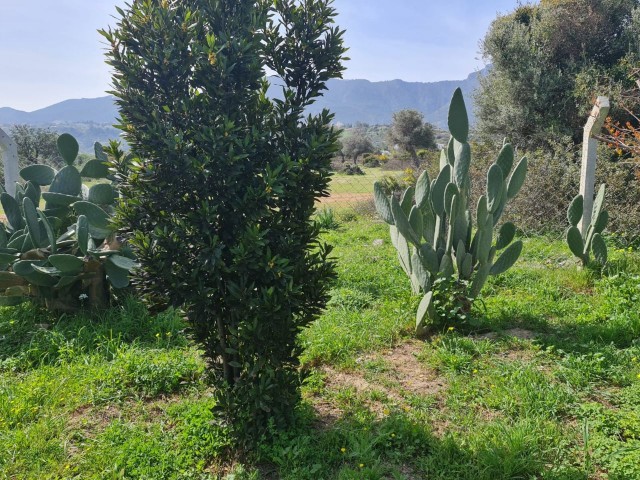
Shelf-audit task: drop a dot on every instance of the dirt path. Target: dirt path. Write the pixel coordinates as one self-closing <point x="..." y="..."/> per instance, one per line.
<point x="346" y="198"/>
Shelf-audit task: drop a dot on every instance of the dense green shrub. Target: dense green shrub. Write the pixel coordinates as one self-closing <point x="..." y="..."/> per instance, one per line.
<point x="222" y="190"/>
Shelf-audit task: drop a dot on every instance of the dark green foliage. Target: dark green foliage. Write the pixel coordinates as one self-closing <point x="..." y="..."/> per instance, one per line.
<point x="222" y="190"/>
<point x="549" y="61"/>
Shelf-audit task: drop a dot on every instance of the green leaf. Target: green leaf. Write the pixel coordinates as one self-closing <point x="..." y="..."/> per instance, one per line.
<point x="95" y="169"/>
<point x="575" y="210"/>
<point x="517" y="178"/>
<point x="495" y="183"/>
<point x="68" y="148"/>
<point x="99" y="151"/>
<point x="382" y="203"/>
<point x="599" y="248"/>
<point x="597" y="204"/>
<point x="505" y="235"/>
<point x="425" y="315"/>
<point x="12" y="211"/>
<point x="458" y="119"/>
<point x="506" y="157"/>
<point x="575" y="241"/>
<point x="461" y="168"/>
<point x="39" y="174"/>
<point x="118" y="277"/>
<point x="438" y="189"/>
<point x="67" y="264"/>
<point x="601" y="222"/>
<point x="59" y="199"/>
<point x="82" y="232"/>
<point x="509" y="256"/>
<point x="102" y="194"/>
<point x="402" y="223"/>
<point x="96" y="216"/>
<point x="423" y="186"/>
<point x="8" y="258"/>
<point x="49" y="231"/>
<point x="31" y="217"/>
<point x="123" y="262"/>
<point x="406" y="201"/>
<point x="67" y="181"/>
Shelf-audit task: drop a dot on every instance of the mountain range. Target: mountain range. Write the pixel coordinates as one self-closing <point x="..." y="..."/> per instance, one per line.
<point x="352" y="101"/>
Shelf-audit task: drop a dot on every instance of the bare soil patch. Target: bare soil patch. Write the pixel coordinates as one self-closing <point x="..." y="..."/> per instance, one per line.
<point x="346" y="198"/>
<point x="404" y="375"/>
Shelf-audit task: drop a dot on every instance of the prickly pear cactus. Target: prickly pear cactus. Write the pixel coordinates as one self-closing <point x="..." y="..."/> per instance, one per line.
<point x="591" y="240"/>
<point x="66" y="255"/>
<point x="432" y="228"/>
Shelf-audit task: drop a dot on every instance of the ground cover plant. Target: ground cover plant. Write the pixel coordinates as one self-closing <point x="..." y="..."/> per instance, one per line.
<point x="543" y="381"/>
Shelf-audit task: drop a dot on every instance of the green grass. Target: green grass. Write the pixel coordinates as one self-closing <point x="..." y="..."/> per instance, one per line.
<point x="543" y="381"/>
<point x="343" y="184"/>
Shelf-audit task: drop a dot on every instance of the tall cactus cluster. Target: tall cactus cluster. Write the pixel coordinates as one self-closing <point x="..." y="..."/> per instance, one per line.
<point x="66" y="255"/>
<point x="590" y="240"/>
<point x="432" y="227"/>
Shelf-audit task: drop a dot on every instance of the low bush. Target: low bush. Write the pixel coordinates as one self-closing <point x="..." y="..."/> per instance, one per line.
<point x="352" y="170"/>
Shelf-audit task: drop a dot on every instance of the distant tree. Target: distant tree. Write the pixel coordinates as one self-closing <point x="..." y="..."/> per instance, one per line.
<point x="356" y="144"/>
<point x="409" y="131"/>
<point x="550" y="61"/>
<point x="36" y="145"/>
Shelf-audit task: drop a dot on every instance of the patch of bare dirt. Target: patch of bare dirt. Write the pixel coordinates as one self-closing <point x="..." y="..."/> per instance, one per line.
<point x="520" y="333"/>
<point x="412" y="375"/>
<point x="346" y="198"/>
<point x="404" y="375"/>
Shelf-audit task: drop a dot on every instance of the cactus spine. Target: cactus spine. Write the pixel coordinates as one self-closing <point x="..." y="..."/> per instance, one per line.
<point x="432" y="227"/>
<point x="591" y="240"/>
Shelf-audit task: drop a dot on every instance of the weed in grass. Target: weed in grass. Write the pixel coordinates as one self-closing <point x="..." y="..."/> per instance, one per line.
<point x="326" y="219"/>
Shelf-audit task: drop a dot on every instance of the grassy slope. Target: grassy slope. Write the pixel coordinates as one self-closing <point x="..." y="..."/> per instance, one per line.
<point x="123" y="396"/>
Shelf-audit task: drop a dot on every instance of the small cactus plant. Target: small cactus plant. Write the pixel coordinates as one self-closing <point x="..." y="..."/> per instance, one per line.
<point x="66" y="255"/>
<point x="591" y="240"/>
<point x="432" y="226"/>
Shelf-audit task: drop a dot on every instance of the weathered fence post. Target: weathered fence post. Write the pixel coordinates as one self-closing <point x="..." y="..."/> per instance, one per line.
<point x="589" y="157"/>
<point x="9" y="154"/>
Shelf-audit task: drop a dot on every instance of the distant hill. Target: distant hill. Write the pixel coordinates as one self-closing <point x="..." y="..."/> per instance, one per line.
<point x="374" y="103"/>
<point x="352" y="101"/>
<point x="90" y="120"/>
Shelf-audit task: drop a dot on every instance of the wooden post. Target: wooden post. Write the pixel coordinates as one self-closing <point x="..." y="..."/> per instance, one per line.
<point x="9" y="153"/>
<point x="589" y="158"/>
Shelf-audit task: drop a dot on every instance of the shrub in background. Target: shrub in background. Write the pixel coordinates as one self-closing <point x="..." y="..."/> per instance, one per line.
<point x="221" y="194"/>
<point x="352" y="170"/>
<point x="432" y="226"/>
<point x="65" y="256"/>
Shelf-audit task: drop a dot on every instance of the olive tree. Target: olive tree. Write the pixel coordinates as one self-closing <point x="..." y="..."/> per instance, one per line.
<point x="356" y="144"/>
<point x="409" y="132"/>
<point x="224" y="181"/>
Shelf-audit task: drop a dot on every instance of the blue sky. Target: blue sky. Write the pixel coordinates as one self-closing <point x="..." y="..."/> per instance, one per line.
<point x="50" y="50"/>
